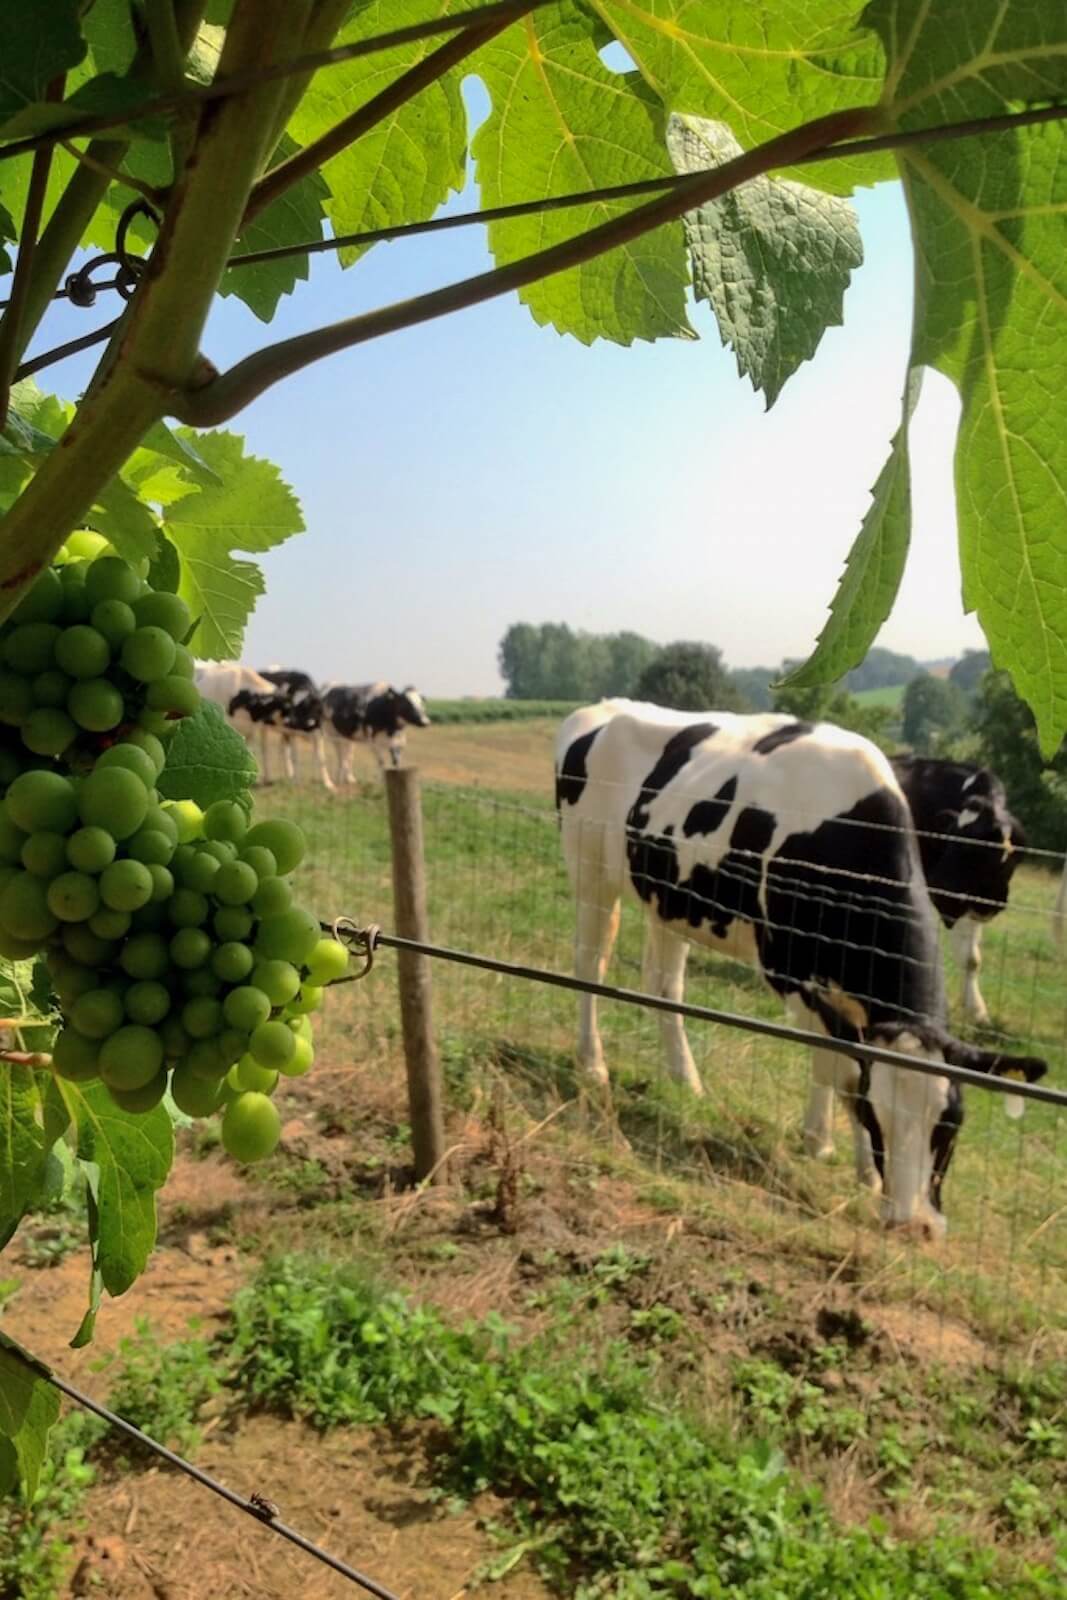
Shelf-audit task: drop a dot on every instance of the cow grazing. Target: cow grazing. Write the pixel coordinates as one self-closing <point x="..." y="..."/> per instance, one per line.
<point x="372" y="712"/>
<point x="248" y="700"/>
<point x="969" y="845"/>
<point x="299" y="714"/>
<point x="789" y="846"/>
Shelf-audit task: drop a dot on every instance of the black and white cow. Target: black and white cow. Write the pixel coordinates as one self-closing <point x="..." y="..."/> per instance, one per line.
<point x="247" y="699"/>
<point x="372" y="712"/>
<point x="789" y="846"/>
<point x="969" y="845"/>
<point x="301" y="710"/>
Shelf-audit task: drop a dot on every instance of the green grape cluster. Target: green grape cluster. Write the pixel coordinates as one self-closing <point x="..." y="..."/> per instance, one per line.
<point x="176" y="952"/>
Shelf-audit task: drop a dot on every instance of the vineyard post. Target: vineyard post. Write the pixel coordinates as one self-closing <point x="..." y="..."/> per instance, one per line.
<point x="413" y="970"/>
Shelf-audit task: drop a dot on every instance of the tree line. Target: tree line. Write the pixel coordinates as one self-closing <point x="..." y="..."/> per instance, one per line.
<point x="972" y="714"/>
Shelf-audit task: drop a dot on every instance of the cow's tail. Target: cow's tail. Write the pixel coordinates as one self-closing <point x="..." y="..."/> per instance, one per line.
<point x="1059" y="911"/>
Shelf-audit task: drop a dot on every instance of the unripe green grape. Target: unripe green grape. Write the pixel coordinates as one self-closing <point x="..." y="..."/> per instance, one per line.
<point x="235" y="884"/>
<point x="17" y="699"/>
<point x="199" y="981"/>
<point x="71" y="980"/>
<point x="145" y="955"/>
<point x="87" y="947"/>
<point x="90" y="849"/>
<point x="204" y="1060"/>
<point x="73" y="896"/>
<point x="132" y="759"/>
<point x="76" y="607"/>
<point x="30" y="648"/>
<point x="142" y="566"/>
<point x="143" y="1099"/>
<point x="196" y="870"/>
<point x="187" y="909"/>
<point x="97" y="1013"/>
<point x="176" y="1041"/>
<point x="301" y="1059"/>
<point x="184" y="662"/>
<point x="220" y="850"/>
<point x="84" y="545"/>
<point x="246" y="1008"/>
<point x="327" y="962"/>
<point x="279" y="980"/>
<point x="248" y="1075"/>
<point x="51" y="688"/>
<point x="157" y="723"/>
<point x="149" y="846"/>
<point x="190" y="948"/>
<point x="233" y="1042"/>
<point x="187" y="815"/>
<point x="291" y="936"/>
<point x="202" y="1017"/>
<point x="45" y="854"/>
<point x="82" y="652"/>
<point x="259" y="858"/>
<point x="150" y="745"/>
<point x="108" y="923"/>
<point x="161" y="821"/>
<point x="309" y="999"/>
<point x="232" y="961"/>
<point x="115" y="620"/>
<point x="42" y="800"/>
<point x="96" y="704"/>
<point x="225" y="819"/>
<point x="12" y="838"/>
<point x="16" y="949"/>
<point x="75" y="1057"/>
<point x="110" y="578"/>
<point x="43" y="601"/>
<point x="113" y="798"/>
<point x="126" y="885"/>
<point x="24" y="909"/>
<point x="285" y="841"/>
<point x="48" y="732"/>
<point x="251" y="1127"/>
<point x="193" y="1095"/>
<point x="177" y="696"/>
<point x="157" y="609"/>
<point x="146" y="1002"/>
<point x="151" y="918"/>
<point x="232" y="922"/>
<point x="131" y="1057"/>
<point x="162" y="883"/>
<point x="272" y="1044"/>
<point x="148" y="654"/>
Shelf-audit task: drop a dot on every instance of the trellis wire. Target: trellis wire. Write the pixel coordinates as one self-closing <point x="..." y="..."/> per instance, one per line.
<point x="256" y="1505"/>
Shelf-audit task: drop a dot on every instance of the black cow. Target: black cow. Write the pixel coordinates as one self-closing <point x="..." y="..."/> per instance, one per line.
<point x="789" y="846"/>
<point x="372" y="712"/>
<point x="970" y="845"/>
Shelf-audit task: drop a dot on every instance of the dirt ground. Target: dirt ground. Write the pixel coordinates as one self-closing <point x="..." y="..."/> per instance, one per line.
<point x="516" y="756"/>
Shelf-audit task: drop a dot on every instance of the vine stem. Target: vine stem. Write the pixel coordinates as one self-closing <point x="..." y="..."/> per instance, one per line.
<point x="26" y="1058"/>
<point x="225" y="394"/>
<point x="20" y="286"/>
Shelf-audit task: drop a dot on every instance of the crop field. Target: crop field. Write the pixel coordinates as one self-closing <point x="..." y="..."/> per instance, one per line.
<point x="891" y="695"/>
<point x="635" y="1349"/>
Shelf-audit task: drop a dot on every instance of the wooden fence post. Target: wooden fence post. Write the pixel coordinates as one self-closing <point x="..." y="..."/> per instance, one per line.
<point x="413" y="970"/>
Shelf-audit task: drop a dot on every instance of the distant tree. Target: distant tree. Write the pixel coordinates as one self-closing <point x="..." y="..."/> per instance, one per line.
<point x="934" y="709"/>
<point x="689" y="677"/>
<point x="550" y="661"/>
<point x="754" y="685"/>
<point x="969" y="670"/>
<point x="881" y="669"/>
<point x="630" y="656"/>
<point x="1007" y="743"/>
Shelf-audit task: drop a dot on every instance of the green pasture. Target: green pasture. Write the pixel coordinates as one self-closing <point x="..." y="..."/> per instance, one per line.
<point x="888" y="694"/>
<point x="497" y="709"/>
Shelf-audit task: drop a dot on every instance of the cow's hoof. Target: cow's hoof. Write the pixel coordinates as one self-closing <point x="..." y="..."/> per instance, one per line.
<point x="867" y="1178"/>
<point x="818" y="1147"/>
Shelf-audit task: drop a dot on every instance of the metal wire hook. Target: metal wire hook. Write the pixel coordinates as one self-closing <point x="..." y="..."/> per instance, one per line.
<point x="366" y="939"/>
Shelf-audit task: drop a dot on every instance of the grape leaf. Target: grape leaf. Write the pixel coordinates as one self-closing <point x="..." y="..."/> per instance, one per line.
<point x="134" y="1155"/>
<point x="207" y="760"/>
<point x="87" y="1326"/>
<point x="294" y="217"/>
<point x="874" y="567"/>
<point x="773" y="258"/>
<point x="991" y="309"/>
<point x="104" y="95"/>
<point x="165" y="571"/>
<point x="761" y="66"/>
<point x="562" y="122"/>
<point x="404" y="168"/>
<point x="22" y="1147"/>
<point x="252" y="509"/>
<point x="124" y="519"/>
<point x="29" y="1405"/>
<point x="182" y="452"/>
<point x="40" y="42"/>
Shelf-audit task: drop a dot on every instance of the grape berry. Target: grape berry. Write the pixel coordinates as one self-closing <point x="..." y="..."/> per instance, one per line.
<point x="176" y="953"/>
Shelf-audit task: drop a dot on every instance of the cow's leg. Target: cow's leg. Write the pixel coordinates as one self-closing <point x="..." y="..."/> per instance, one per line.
<point x="598" y="924"/>
<point x="663" y="973"/>
<point x="346" y="761"/>
<point x="819" y="1117"/>
<point x="324" y="766"/>
<point x="966" y="939"/>
<point x="264" y="753"/>
<point x="287" y="754"/>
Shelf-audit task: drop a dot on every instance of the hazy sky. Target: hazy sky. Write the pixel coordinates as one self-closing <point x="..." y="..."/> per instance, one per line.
<point x="481" y="470"/>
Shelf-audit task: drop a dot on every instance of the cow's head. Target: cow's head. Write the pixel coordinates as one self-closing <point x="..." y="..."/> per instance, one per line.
<point x="913" y="1118"/>
<point x="983" y="846"/>
<point x="409" y="707"/>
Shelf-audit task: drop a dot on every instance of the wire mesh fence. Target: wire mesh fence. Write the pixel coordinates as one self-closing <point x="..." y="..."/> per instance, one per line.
<point x="497" y="885"/>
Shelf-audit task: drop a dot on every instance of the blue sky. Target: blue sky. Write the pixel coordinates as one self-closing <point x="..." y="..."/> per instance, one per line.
<point x="481" y="470"/>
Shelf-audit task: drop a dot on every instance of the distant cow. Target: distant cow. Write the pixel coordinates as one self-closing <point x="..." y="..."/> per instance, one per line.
<point x="970" y="845"/>
<point x="789" y="846"/>
<point x="244" y="697"/>
<point x="372" y="712"/>
<point x="299" y="713"/>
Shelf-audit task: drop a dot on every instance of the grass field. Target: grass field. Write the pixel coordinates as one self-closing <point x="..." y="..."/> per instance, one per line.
<point x="496" y="709"/>
<point x="891" y="695"/>
<point x="717" y="1371"/>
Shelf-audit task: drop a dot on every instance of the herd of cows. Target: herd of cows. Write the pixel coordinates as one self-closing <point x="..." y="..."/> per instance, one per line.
<point x="798" y="848"/>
